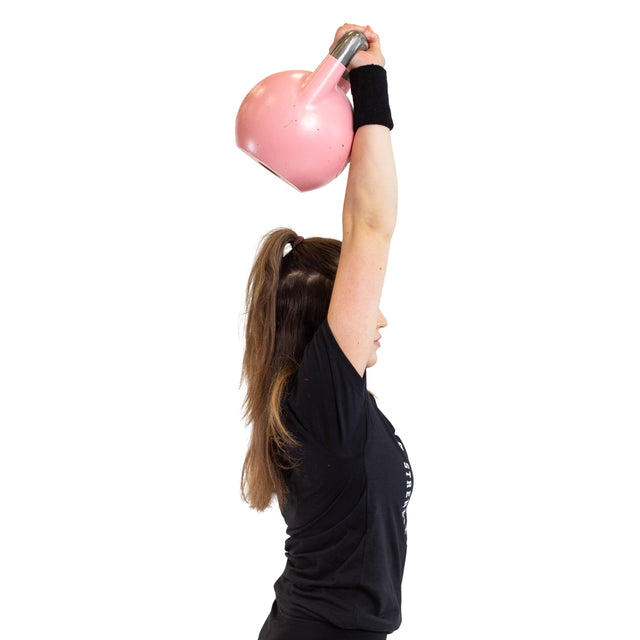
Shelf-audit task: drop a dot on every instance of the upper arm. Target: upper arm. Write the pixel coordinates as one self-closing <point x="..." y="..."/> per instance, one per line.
<point x="368" y="221"/>
<point x="355" y="301"/>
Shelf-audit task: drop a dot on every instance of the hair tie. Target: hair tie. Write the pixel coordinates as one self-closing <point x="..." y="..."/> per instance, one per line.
<point x="296" y="242"/>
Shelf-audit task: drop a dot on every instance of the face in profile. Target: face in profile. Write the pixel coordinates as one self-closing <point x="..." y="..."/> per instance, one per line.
<point x="380" y="323"/>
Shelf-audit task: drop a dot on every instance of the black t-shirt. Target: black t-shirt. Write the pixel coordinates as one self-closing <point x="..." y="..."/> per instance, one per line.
<point x="346" y="506"/>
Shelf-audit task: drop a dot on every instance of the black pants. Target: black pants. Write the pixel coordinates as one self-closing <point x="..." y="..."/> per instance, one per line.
<point x="277" y="627"/>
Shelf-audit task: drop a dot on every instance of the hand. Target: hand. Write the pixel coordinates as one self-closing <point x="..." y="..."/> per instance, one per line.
<point x="373" y="55"/>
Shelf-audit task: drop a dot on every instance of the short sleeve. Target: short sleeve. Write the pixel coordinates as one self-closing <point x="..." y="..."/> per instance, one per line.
<point x="327" y="400"/>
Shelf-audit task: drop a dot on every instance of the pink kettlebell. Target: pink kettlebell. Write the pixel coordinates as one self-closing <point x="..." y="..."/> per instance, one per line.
<point x="298" y="124"/>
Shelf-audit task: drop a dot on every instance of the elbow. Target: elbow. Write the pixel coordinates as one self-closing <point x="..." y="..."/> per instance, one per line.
<point x="377" y="219"/>
<point x="380" y="225"/>
<point x="370" y="226"/>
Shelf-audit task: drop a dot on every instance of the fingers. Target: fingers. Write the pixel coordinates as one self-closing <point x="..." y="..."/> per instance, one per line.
<point x="372" y="55"/>
<point x="371" y="36"/>
<point x="347" y="27"/>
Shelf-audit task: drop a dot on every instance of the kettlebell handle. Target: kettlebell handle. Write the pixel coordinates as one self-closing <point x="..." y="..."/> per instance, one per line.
<point x="347" y="47"/>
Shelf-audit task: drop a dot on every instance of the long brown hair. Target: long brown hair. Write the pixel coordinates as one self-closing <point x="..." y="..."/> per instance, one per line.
<point x="287" y="299"/>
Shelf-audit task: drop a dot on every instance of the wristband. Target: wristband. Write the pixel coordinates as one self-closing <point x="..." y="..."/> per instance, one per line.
<point x="370" y="96"/>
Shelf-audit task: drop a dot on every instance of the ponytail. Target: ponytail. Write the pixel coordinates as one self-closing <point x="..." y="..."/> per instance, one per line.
<point x="287" y="298"/>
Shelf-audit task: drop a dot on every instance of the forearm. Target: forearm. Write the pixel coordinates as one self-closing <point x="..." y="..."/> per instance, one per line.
<point x="371" y="198"/>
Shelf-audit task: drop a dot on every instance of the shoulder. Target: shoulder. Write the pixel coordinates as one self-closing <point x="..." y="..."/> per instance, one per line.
<point x="324" y="356"/>
<point x="327" y="398"/>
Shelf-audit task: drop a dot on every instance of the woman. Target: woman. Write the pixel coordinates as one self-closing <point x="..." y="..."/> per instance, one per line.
<point x="319" y="443"/>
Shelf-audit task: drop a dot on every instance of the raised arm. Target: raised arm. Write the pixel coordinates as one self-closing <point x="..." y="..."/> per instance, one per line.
<point x="368" y="222"/>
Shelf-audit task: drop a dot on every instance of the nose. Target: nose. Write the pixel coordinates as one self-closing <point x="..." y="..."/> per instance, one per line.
<point x="382" y="321"/>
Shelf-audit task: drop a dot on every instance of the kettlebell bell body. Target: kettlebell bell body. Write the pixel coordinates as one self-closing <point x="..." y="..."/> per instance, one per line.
<point x="298" y="124"/>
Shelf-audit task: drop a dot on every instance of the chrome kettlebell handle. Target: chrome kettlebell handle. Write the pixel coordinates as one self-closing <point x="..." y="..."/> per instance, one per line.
<point x="347" y="47"/>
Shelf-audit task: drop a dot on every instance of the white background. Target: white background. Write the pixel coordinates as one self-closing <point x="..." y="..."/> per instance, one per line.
<point x="510" y="366"/>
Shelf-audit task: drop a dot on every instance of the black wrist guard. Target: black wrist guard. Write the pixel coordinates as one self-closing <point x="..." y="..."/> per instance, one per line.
<point x="370" y="96"/>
